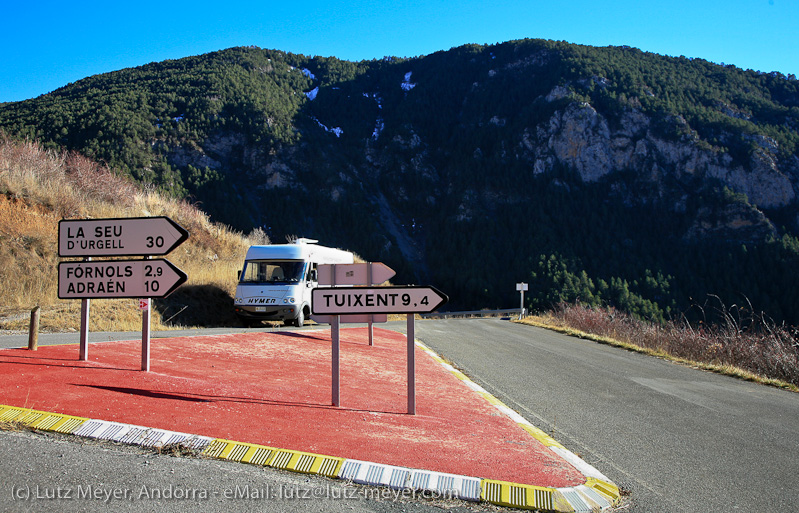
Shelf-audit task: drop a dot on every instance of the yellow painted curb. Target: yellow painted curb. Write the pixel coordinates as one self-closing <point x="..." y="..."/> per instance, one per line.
<point x="297" y="461"/>
<point x="44" y="421"/>
<point x="503" y="493"/>
<point x="609" y="490"/>
<point x="541" y="436"/>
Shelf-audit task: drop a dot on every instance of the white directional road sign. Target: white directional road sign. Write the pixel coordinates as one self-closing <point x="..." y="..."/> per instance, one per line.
<point x="354" y="274"/>
<point x="146" y="236"/>
<point x="377" y="300"/>
<point x="118" y="278"/>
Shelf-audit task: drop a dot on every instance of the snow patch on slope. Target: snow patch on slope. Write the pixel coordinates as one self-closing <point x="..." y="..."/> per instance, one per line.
<point x="407" y="85"/>
<point x="337" y="130"/>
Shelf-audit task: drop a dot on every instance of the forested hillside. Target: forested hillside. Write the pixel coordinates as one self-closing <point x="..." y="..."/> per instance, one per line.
<point x="604" y="175"/>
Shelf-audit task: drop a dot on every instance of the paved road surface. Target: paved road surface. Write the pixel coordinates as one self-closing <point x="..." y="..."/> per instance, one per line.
<point x="677" y="438"/>
<point x="52" y="473"/>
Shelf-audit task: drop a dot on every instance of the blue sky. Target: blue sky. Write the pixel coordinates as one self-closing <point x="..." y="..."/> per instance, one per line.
<point x="48" y="44"/>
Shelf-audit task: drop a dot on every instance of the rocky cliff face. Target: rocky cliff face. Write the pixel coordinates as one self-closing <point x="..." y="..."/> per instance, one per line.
<point x="576" y="137"/>
<point x="580" y="138"/>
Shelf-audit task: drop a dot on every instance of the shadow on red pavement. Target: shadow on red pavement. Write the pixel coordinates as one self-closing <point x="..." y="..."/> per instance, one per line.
<point x="274" y="389"/>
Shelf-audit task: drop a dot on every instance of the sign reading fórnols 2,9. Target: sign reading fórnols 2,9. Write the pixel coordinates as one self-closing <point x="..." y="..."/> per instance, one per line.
<point x="132" y="236"/>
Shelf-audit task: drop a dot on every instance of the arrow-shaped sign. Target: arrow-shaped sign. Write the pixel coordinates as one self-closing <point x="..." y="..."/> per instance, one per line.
<point x="362" y="300"/>
<point x="118" y="279"/>
<point x="354" y="274"/>
<point x="146" y="236"/>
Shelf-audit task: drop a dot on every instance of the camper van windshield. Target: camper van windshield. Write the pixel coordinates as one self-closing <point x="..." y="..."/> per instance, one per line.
<point x="271" y="271"/>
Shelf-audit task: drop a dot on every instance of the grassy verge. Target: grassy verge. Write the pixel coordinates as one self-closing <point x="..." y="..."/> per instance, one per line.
<point x="745" y="348"/>
<point x="39" y="187"/>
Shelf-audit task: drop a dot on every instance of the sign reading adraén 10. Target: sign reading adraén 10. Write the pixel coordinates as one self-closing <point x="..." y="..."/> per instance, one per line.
<point x="145" y="236"/>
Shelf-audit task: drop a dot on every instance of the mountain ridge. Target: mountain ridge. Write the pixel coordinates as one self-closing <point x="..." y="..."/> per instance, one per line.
<point x="643" y="176"/>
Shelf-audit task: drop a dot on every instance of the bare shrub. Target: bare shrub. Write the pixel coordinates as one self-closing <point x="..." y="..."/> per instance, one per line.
<point x="743" y="340"/>
<point x="258" y="237"/>
<point x="97" y="182"/>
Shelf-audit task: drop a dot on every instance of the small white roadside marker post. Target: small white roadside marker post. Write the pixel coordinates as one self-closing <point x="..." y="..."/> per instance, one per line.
<point x="521" y="287"/>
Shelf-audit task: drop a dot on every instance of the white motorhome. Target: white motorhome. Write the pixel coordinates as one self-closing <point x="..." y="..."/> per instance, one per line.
<point x="276" y="280"/>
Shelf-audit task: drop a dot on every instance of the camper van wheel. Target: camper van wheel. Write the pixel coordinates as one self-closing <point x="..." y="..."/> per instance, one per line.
<point x="300" y="320"/>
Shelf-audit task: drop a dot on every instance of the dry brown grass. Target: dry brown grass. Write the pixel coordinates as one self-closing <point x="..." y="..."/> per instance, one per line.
<point x="39" y="187"/>
<point x="741" y="345"/>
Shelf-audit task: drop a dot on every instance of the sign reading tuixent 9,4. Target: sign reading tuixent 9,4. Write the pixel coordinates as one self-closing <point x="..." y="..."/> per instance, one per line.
<point x="376" y="300"/>
<point x="146" y="236"/>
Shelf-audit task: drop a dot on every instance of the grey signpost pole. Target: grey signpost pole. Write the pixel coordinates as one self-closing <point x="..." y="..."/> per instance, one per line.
<point x="371" y="324"/>
<point x="145" y="337"/>
<point x="334" y="329"/>
<point x="85" y="304"/>
<point x="336" y="359"/>
<point x="411" y="365"/>
<point x="145" y="334"/>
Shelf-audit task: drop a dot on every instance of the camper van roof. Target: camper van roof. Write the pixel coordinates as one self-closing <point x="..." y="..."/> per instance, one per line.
<point x="307" y="252"/>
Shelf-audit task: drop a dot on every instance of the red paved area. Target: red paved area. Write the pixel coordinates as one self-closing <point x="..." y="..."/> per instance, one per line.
<point x="275" y="389"/>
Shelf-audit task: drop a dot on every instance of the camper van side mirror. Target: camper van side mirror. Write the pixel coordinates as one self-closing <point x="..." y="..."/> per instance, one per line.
<point x="314" y="275"/>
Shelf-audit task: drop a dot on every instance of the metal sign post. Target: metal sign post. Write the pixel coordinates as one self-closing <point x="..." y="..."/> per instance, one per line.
<point x="145" y="336"/>
<point x="335" y="335"/>
<point x="521" y="287"/>
<point x="370" y="326"/>
<point x="145" y="332"/>
<point x="336" y="365"/>
<point x="411" y="340"/>
<point x="84" y="327"/>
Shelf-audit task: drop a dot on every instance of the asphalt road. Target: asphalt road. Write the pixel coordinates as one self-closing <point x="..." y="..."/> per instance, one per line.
<point x="53" y="473"/>
<point x="678" y="439"/>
